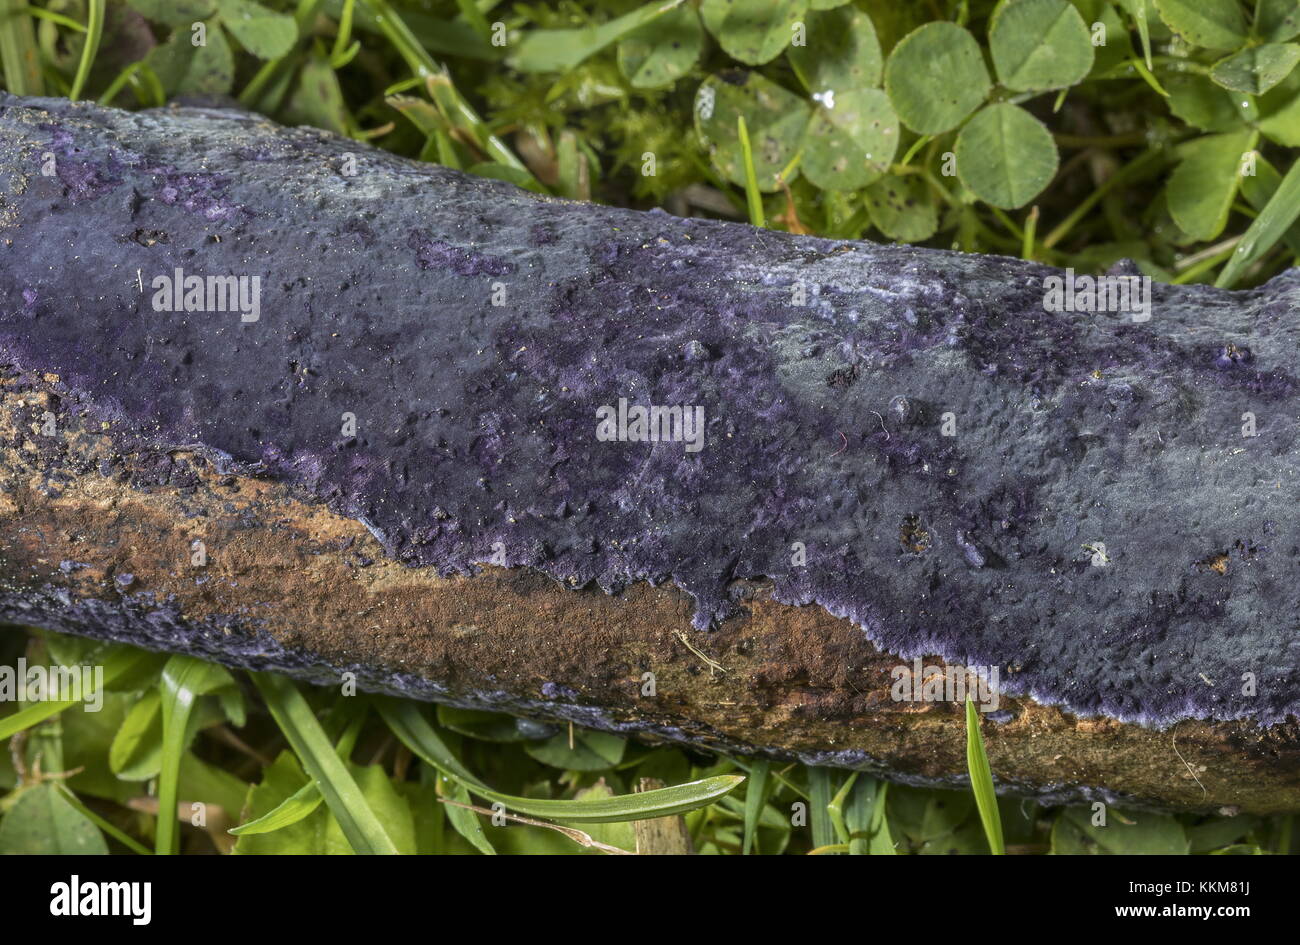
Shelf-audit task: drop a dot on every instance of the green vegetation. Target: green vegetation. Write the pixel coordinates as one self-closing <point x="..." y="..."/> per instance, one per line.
<point x="1075" y="133"/>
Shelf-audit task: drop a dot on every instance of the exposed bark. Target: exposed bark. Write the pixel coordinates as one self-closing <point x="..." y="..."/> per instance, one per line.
<point x="127" y="434"/>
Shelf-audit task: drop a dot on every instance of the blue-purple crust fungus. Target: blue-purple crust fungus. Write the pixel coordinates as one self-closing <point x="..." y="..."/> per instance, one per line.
<point x="473" y="330"/>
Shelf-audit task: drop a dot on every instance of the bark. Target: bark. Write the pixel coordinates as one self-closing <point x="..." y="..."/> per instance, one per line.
<point x="474" y="540"/>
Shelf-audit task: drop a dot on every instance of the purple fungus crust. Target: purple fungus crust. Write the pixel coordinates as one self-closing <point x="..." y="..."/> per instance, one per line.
<point x="905" y="437"/>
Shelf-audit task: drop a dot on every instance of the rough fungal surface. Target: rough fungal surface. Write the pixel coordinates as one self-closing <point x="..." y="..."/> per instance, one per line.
<point x="824" y="466"/>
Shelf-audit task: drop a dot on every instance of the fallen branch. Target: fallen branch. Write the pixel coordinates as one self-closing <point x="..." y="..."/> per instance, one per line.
<point x="284" y="401"/>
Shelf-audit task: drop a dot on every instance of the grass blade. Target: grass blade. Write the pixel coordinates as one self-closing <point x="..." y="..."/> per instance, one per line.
<point x="755" y="798"/>
<point x="836" y="810"/>
<point x="66" y="22"/>
<point x="981" y="781"/>
<point x="320" y="760"/>
<point x="861" y="814"/>
<point x="463" y="116"/>
<point x="184" y="679"/>
<point x="143" y="81"/>
<point x="1137" y="9"/>
<point x="1258" y="191"/>
<point x="465" y="819"/>
<point x="753" y="197"/>
<point x="415" y="731"/>
<point x="882" y="841"/>
<point x="408" y="723"/>
<point x="662" y="802"/>
<point x="128" y="841"/>
<point x="423" y="115"/>
<point x="400" y="35"/>
<point x="94" y="31"/>
<point x="561" y="50"/>
<point x="1031" y="229"/>
<point x="18" y="53"/>
<point x="344" y="48"/>
<point x="118" y="84"/>
<point x="454" y="106"/>
<point x="1269" y="227"/>
<point x="819" y="802"/>
<point x="308" y="797"/>
<point x="291" y="810"/>
<point x="1282" y="844"/>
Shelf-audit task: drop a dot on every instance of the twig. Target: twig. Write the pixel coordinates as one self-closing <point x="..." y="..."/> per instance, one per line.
<point x="711" y="663"/>
<point x="577" y="836"/>
<point x="1190" y="769"/>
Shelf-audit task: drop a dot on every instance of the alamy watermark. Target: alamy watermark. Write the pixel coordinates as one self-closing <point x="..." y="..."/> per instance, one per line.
<point x="84" y="898"/>
<point x="921" y="683"/>
<point x="1072" y="293"/>
<point x="651" y="424"/>
<point x="181" y="293"/>
<point x="24" y="683"/>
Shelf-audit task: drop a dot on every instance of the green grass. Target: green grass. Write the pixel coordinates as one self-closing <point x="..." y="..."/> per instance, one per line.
<point x="981" y="781"/>
<point x="573" y="104"/>
<point x="753" y="197"/>
<point x="94" y="31"/>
